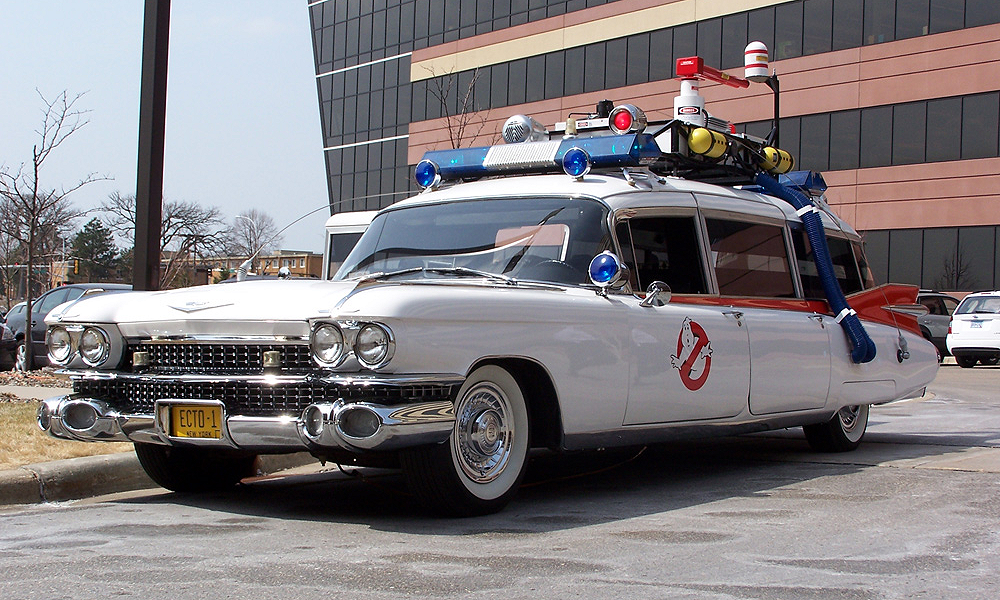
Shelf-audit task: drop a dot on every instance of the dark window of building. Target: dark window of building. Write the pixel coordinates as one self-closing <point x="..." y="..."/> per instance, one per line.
<point x="815" y="145"/>
<point x="912" y="18"/>
<point x="554" y="74"/>
<point x="593" y="74"/>
<point x="787" y="30"/>
<point x="750" y="259"/>
<point x="848" y="23"/>
<point x="637" y="62"/>
<point x="979" y="125"/>
<point x="905" y="252"/>
<point x="876" y="136"/>
<point x="761" y="26"/>
<point x="790" y="136"/>
<point x="734" y="40"/>
<point x="535" y="79"/>
<point x="574" y="71"/>
<point x="940" y="245"/>
<point x="981" y="12"/>
<point x="880" y="21"/>
<point x="517" y="80"/>
<point x="845" y="137"/>
<point x="709" y="41"/>
<point x="661" y="56"/>
<point x="498" y="85"/>
<point x="974" y="262"/>
<point x="908" y="133"/>
<point x="817" y="32"/>
<point x="944" y="120"/>
<point x="616" y="63"/>
<point x="947" y="15"/>
<point x="685" y="42"/>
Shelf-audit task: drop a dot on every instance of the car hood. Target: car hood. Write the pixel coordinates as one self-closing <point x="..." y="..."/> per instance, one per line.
<point x="272" y="308"/>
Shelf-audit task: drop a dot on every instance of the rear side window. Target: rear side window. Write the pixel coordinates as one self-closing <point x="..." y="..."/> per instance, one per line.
<point x="749" y="259"/>
<point x="845" y="269"/>
<point x="980" y="305"/>
<point x="867" y="277"/>
<point x="663" y="249"/>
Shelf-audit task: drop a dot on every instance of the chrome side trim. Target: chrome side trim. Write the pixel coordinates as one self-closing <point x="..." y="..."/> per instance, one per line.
<point x="332" y="379"/>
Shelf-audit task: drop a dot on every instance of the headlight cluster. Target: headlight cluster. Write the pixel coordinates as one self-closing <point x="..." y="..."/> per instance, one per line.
<point x="92" y="344"/>
<point x="371" y="344"/>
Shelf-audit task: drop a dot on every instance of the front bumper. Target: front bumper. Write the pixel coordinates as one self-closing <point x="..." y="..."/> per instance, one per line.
<point x="361" y="414"/>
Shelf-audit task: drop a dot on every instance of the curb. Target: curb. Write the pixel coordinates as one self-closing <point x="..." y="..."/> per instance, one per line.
<point x="89" y="476"/>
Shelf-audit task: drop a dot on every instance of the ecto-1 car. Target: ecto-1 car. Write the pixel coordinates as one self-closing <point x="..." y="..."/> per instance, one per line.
<point x="577" y="295"/>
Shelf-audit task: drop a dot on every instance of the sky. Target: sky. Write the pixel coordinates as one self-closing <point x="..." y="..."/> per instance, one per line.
<point x="243" y="128"/>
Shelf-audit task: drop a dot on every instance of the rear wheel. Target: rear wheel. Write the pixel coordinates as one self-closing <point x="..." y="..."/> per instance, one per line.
<point x="191" y="469"/>
<point x="966" y="362"/>
<point x="478" y="470"/>
<point x="842" y="433"/>
<point x="21" y="357"/>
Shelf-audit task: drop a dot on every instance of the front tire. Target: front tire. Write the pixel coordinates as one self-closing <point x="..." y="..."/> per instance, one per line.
<point x="193" y="470"/>
<point x="966" y="362"/>
<point x="478" y="470"/>
<point x="842" y="433"/>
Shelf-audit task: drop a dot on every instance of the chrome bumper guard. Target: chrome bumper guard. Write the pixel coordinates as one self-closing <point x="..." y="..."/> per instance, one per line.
<point x="355" y="426"/>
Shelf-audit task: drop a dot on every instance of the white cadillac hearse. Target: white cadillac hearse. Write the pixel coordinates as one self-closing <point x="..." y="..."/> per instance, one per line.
<point x="620" y="283"/>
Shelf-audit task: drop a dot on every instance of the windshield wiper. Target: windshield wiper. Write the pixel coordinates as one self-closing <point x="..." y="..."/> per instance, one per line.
<point x="474" y="273"/>
<point x="446" y="270"/>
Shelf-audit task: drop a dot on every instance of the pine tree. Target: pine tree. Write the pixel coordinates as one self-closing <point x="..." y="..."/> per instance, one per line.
<point x="94" y="253"/>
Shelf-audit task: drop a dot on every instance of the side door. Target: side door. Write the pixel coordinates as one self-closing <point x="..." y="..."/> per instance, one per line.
<point x="790" y="356"/>
<point x="688" y="361"/>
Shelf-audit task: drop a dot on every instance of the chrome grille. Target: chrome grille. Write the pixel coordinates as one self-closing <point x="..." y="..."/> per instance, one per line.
<point x="138" y="396"/>
<point x="223" y="359"/>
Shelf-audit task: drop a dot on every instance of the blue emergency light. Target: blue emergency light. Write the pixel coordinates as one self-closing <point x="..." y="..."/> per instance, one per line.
<point x="629" y="150"/>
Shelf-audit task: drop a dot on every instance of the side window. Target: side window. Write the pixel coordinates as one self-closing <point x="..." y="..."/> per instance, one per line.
<point x="844" y="266"/>
<point x="51" y="300"/>
<point x="749" y="259"/>
<point x="950" y="304"/>
<point x="664" y="249"/>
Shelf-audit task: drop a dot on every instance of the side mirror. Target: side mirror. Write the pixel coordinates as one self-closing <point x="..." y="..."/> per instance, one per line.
<point x="657" y="294"/>
<point x="608" y="272"/>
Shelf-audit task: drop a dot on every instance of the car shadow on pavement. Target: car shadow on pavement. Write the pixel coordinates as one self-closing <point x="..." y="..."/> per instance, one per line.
<point x="564" y="491"/>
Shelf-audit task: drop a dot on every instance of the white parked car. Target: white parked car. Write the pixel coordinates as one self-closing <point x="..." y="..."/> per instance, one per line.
<point x="609" y="305"/>
<point x="974" y="333"/>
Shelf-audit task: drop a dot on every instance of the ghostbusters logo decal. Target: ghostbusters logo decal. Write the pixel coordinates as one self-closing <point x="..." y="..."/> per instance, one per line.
<point x="694" y="355"/>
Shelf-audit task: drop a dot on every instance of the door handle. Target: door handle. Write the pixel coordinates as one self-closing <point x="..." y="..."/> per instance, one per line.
<point x="819" y="319"/>
<point x="733" y="313"/>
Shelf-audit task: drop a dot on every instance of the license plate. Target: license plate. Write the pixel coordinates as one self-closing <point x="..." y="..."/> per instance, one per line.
<point x="196" y="421"/>
<point x="976" y="324"/>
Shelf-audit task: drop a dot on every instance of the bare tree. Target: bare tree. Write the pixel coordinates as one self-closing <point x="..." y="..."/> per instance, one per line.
<point x="956" y="273"/>
<point x="463" y="121"/>
<point x="253" y="233"/>
<point x="41" y="212"/>
<point x="188" y="231"/>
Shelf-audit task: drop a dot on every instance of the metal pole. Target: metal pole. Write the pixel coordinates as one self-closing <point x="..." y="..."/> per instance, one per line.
<point x="152" y="122"/>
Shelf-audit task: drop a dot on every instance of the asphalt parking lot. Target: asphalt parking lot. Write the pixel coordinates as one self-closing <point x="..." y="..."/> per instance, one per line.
<point x="914" y="513"/>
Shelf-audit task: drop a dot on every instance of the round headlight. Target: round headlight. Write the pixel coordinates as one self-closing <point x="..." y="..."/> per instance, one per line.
<point x="373" y="345"/>
<point x="60" y="345"/>
<point x="94" y="346"/>
<point x="327" y="343"/>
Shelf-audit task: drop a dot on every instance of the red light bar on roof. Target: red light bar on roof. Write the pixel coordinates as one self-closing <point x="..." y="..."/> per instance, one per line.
<point x="693" y="67"/>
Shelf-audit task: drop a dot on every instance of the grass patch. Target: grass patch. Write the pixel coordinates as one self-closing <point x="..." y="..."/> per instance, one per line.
<point x="23" y="443"/>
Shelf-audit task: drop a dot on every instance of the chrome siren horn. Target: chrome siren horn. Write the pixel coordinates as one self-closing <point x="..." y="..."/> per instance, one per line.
<point x="522" y="128"/>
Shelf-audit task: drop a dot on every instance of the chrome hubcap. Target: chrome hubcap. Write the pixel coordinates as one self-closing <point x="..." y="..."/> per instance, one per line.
<point x="849" y="417"/>
<point x="484" y="432"/>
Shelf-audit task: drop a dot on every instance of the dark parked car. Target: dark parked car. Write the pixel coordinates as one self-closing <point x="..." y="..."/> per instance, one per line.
<point x="934" y="325"/>
<point x="40" y="307"/>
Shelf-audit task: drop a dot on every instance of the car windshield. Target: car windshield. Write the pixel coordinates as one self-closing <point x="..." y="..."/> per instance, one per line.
<point x="535" y="239"/>
<point x="979" y="305"/>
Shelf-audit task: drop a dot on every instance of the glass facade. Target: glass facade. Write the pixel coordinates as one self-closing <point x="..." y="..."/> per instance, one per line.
<point x="367" y="101"/>
<point x="962" y="259"/>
